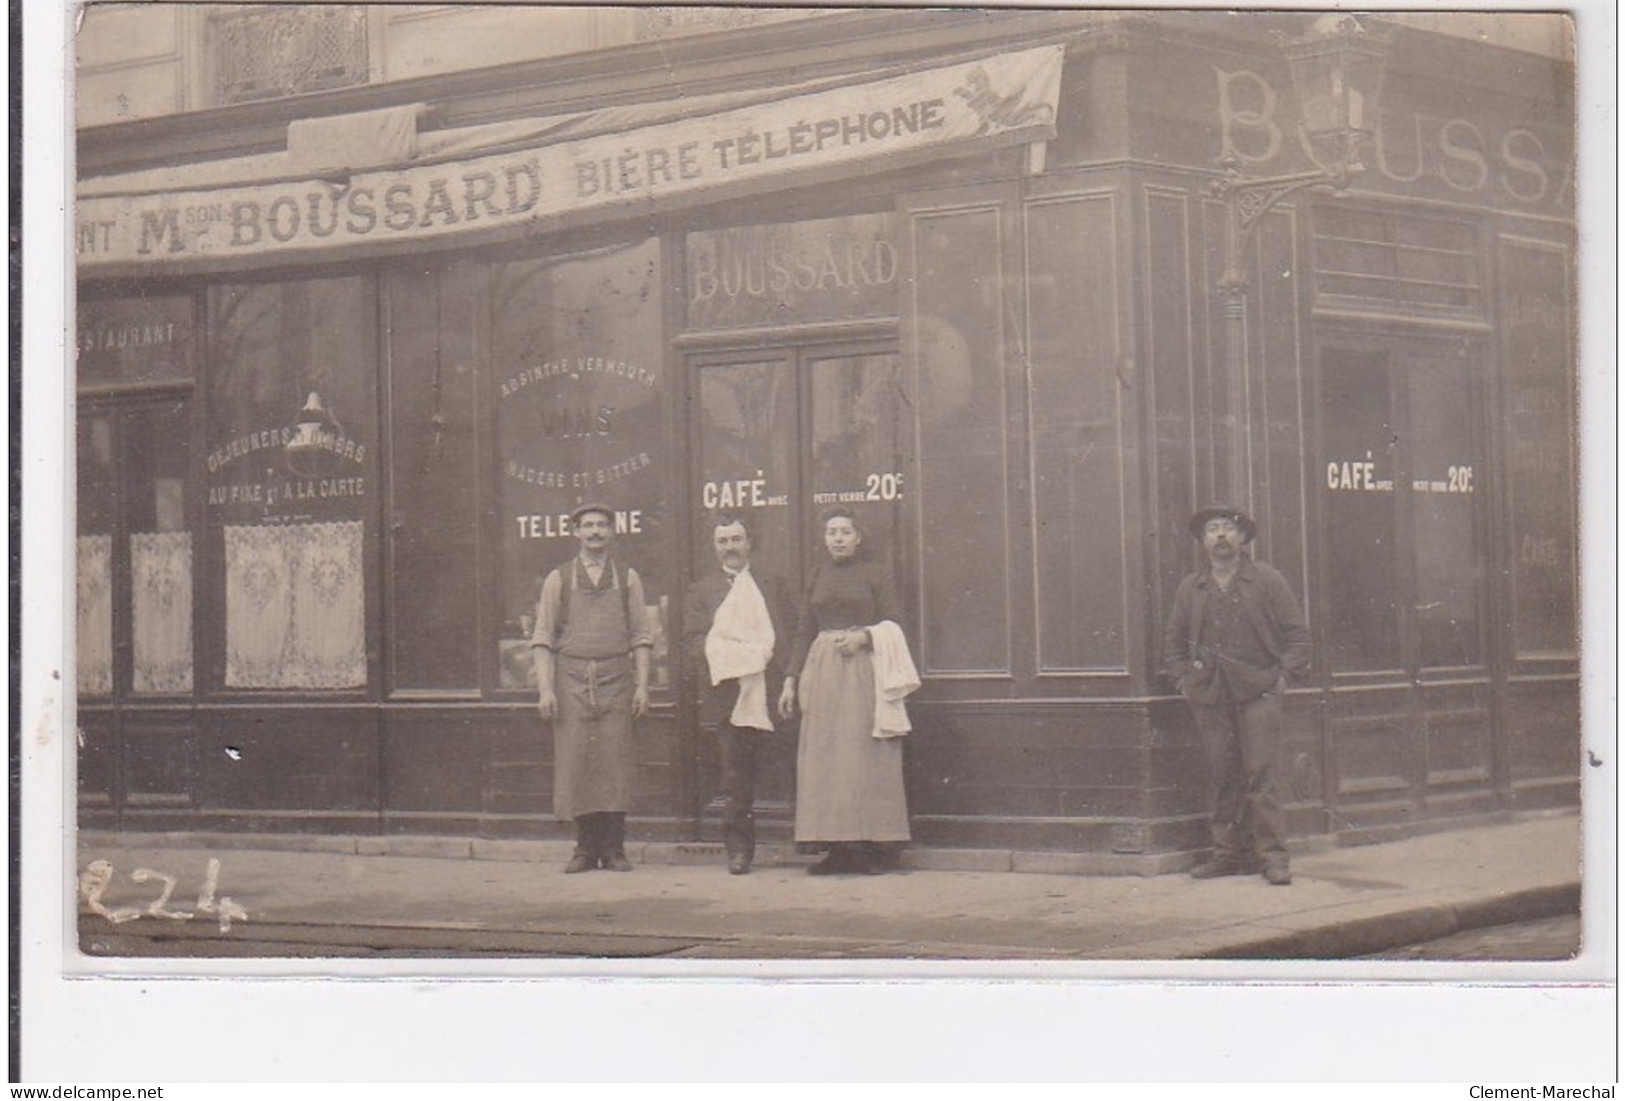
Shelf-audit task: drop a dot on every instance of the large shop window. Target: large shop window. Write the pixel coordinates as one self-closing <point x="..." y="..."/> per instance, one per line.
<point x="1403" y="488"/>
<point x="577" y="362"/>
<point x="292" y="478"/>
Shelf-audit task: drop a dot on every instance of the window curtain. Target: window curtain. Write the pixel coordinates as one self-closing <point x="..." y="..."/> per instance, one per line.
<point x="161" y="606"/>
<point x="94" y="618"/>
<point x="295" y="610"/>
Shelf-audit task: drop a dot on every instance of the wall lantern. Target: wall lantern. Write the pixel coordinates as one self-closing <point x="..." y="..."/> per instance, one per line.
<point x="311" y="438"/>
<point x="1337" y="72"/>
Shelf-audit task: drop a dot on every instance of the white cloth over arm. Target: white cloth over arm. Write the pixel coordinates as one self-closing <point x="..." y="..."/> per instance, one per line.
<point x="895" y="678"/>
<point x="738" y="647"/>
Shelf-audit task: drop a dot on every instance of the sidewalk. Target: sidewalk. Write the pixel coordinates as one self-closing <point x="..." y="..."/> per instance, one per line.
<point x="358" y="896"/>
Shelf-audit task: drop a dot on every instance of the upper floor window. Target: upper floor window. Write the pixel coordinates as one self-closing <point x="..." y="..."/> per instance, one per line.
<point x="1391" y="262"/>
<point x="266" y="51"/>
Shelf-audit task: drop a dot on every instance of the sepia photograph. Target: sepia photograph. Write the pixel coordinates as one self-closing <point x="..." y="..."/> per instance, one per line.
<point x="879" y="492"/>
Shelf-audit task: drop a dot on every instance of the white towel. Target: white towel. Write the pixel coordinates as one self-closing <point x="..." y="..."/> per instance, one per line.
<point x="895" y="678"/>
<point x="738" y="646"/>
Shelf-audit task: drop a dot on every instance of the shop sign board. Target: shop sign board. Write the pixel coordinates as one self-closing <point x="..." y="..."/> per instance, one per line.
<point x="125" y="340"/>
<point x="866" y="126"/>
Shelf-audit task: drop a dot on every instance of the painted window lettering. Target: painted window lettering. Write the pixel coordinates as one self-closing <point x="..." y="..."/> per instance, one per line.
<point x="1358" y="475"/>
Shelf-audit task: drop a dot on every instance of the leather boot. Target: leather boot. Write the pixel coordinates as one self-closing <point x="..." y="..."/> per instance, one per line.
<point x="612" y="843"/>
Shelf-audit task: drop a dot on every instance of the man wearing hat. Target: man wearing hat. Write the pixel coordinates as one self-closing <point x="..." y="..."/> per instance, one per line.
<point x="1234" y="637"/>
<point x="591" y="646"/>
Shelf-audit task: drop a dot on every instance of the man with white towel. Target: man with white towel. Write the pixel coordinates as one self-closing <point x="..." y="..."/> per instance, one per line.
<point x="737" y="627"/>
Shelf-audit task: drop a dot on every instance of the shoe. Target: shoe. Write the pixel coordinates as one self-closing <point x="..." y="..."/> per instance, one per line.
<point x="835" y="862"/>
<point x="580" y="862"/>
<point x="1277" y="873"/>
<point x="615" y="862"/>
<point x="738" y="865"/>
<point x="1214" y="869"/>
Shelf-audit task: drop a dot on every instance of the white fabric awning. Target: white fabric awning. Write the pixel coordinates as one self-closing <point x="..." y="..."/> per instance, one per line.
<point x="411" y="190"/>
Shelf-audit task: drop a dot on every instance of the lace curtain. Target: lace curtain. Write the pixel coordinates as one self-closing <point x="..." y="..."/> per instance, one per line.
<point x="295" y="613"/>
<point x="161" y="610"/>
<point x="94" y="616"/>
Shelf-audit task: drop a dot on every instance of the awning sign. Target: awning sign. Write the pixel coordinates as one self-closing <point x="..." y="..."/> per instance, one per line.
<point x="993" y="101"/>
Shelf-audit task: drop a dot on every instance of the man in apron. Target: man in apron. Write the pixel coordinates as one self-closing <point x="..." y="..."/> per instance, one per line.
<point x="591" y="646"/>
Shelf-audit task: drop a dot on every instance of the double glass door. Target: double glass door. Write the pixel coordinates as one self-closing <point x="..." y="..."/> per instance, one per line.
<point x="1403" y="498"/>
<point x="781" y="434"/>
<point x="134" y="550"/>
<point x="133" y="588"/>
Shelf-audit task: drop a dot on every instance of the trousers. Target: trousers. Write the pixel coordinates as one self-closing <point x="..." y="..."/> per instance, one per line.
<point x="1243" y="742"/>
<point x="738" y="748"/>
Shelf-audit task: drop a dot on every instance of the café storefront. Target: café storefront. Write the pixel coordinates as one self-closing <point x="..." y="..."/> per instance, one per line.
<point x="345" y="362"/>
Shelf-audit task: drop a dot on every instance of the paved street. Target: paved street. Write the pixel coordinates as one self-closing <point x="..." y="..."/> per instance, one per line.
<point x="679" y="903"/>
<point x="1552" y="938"/>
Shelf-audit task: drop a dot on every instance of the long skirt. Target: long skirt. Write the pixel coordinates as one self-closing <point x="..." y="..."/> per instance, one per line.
<point x="593" y="758"/>
<point x="849" y="784"/>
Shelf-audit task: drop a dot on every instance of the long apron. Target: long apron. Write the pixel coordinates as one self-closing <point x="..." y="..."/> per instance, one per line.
<point x="594" y="760"/>
<point x="849" y="784"/>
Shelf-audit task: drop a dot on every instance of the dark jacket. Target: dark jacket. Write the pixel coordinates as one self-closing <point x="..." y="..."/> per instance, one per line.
<point x="700" y="606"/>
<point x="1270" y="606"/>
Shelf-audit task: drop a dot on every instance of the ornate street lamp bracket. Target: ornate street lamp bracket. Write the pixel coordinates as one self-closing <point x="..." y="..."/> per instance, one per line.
<point x="1247" y="200"/>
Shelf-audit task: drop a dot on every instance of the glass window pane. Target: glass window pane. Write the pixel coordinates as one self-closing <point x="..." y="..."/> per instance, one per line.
<point x="858" y="445"/>
<point x="157" y="454"/>
<point x="291" y="473"/>
<point x="576" y="362"/>
<point x="1444" y="488"/>
<point x="124" y="340"/>
<point x="747" y="445"/>
<point x="1358" y="495"/>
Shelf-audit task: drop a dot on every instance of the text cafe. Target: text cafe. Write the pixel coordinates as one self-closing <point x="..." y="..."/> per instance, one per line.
<point x="346" y="362"/>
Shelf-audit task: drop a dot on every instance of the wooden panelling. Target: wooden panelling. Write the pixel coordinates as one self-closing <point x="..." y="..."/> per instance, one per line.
<point x="1543" y="726"/>
<point x="958" y="334"/>
<point x="97" y="756"/>
<point x="310" y="758"/>
<point x="1075" y="433"/>
<point x="1086" y="762"/>
<point x="1277" y="403"/>
<point x="157" y="763"/>
<point x="1541" y="442"/>
<point x="1459" y="735"/>
<point x="434" y="759"/>
<point x="432" y="511"/>
<point x="1374" y="747"/>
<point x="1175" y="385"/>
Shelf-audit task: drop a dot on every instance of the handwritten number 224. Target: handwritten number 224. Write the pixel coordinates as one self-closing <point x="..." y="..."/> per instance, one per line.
<point x="93" y="883"/>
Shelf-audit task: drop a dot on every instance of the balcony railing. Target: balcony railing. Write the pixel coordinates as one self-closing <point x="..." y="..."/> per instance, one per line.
<point x="266" y="52"/>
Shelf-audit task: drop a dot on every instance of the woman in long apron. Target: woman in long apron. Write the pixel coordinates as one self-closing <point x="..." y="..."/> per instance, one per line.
<point x="849" y="783"/>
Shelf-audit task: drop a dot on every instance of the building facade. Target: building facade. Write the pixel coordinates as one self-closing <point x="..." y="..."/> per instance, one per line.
<point x="360" y="318"/>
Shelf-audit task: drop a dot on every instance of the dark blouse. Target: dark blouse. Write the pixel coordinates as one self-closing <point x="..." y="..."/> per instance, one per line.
<point x="852" y="592"/>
